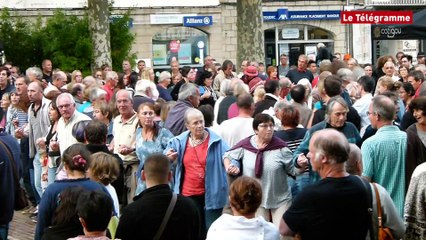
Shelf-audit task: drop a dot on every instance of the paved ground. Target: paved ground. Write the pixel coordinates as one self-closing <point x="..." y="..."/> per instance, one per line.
<point x="21" y="227"/>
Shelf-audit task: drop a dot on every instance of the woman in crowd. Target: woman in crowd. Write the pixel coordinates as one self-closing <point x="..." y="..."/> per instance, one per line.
<point x="92" y="95"/>
<point x="368" y="70"/>
<point x="163" y="83"/>
<point x="104" y="168"/>
<point x="184" y="72"/>
<point x="406" y="93"/>
<point x="379" y="71"/>
<point x="385" y="84"/>
<point x="17" y="116"/>
<point x="5" y="104"/>
<point x="150" y="138"/>
<point x="418" y="108"/>
<point x="75" y="160"/>
<point x="199" y="173"/>
<point x="268" y="159"/>
<point x="76" y="77"/>
<point x="65" y="223"/>
<point x="52" y="163"/>
<point x="103" y="112"/>
<point x="245" y="197"/>
<point x="293" y="136"/>
<point x="403" y="73"/>
<point x="148" y="73"/>
<point x="272" y="73"/>
<point x="205" y="86"/>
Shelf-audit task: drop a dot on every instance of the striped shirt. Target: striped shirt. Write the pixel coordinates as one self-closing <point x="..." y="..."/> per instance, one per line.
<point x="383" y="158"/>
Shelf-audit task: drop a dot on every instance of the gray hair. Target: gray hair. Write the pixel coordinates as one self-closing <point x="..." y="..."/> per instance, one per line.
<point x="163" y="76"/>
<point x="384" y="106"/>
<point x="345" y="74"/>
<point x="129" y="94"/>
<point x="279" y="105"/>
<point x="38" y="74"/>
<point x="95" y="93"/>
<point x="332" y="102"/>
<point x="110" y="75"/>
<point x="354" y="158"/>
<point x="192" y="112"/>
<point x="226" y="87"/>
<point x="187" y="90"/>
<point x="89" y="81"/>
<point x="65" y="95"/>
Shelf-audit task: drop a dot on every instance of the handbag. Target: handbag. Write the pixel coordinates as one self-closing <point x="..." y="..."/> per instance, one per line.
<point x="21" y="200"/>
<point x="384" y="233"/>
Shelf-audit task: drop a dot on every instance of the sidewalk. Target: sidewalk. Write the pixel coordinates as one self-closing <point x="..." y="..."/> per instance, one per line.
<point x="21" y="227"/>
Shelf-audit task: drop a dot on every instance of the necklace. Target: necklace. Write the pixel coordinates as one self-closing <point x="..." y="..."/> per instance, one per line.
<point x="196" y="142"/>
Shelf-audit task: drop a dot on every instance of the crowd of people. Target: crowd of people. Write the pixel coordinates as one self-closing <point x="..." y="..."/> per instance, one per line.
<point x="211" y="153"/>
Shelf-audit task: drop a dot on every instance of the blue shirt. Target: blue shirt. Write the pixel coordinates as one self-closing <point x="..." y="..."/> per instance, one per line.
<point x="383" y="159"/>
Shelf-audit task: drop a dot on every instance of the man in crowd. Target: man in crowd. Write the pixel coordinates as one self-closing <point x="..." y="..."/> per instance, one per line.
<point x="189" y="97"/>
<point x="141" y="66"/>
<point x="421" y="58"/>
<point x="143" y="218"/>
<point x="5" y="85"/>
<point x="124" y="140"/>
<point x="298" y="94"/>
<point x="225" y="73"/>
<point x="337" y="205"/>
<point x="47" y="67"/>
<point x="301" y="72"/>
<point x="127" y="69"/>
<point x="272" y="90"/>
<point x="59" y="79"/>
<point x="416" y="78"/>
<point x="283" y="68"/>
<point x="365" y="88"/>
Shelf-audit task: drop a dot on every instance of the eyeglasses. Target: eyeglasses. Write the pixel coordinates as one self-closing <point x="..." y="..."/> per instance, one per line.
<point x="147" y="113"/>
<point x="371" y="113"/>
<point x="64" y="106"/>
<point x="266" y="125"/>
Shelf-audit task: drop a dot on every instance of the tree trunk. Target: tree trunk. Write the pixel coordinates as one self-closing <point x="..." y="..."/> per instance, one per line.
<point x="98" y="11"/>
<point x="249" y="30"/>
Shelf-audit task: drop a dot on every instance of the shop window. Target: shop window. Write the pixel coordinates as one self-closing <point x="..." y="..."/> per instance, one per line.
<point x="318" y="33"/>
<point x="187" y="45"/>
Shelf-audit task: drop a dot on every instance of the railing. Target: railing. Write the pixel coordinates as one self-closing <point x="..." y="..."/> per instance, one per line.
<point x="395" y="2"/>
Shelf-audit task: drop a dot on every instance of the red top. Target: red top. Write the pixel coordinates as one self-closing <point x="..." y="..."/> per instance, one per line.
<point x="315" y="81"/>
<point x="110" y="93"/>
<point x="194" y="163"/>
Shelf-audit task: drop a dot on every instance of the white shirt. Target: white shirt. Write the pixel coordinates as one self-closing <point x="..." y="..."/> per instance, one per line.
<point x="235" y="129"/>
<point x="361" y="106"/>
<point x="65" y="137"/>
<point x="239" y="227"/>
<point x="113" y="194"/>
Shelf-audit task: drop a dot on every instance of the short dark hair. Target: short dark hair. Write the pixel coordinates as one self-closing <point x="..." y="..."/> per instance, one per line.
<point x="332" y="85"/>
<point x="225" y="64"/>
<point x="207" y="111"/>
<point x="271" y="86"/>
<point x="408" y="87"/>
<point x="297" y="93"/>
<point x="417" y="75"/>
<point x="311" y="61"/>
<point x="261" y="118"/>
<point x="418" y="104"/>
<point x="244" y="101"/>
<point x="367" y="83"/>
<point x="78" y="130"/>
<point x="96" y="132"/>
<point x="290" y="116"/>
<point x="157" y="167"/>
<point x="96" y="208"/>
<point x="203" y="76"/>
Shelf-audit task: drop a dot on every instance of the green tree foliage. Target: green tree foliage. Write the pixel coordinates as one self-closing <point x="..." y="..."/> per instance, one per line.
<point x="63" y="39"/>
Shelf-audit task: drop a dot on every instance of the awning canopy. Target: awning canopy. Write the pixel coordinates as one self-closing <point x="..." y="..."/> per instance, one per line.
<point x="417" y="30"/>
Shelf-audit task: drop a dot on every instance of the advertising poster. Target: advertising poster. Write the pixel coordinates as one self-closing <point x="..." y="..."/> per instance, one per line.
<point x="185" y="53"/>
<point x="159" y="52"/>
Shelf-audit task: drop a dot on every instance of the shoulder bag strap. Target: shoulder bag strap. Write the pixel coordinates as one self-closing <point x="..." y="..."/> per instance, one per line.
<point x="12" y="162"/>
<point x="379" y="205"/>
<point x="166" y="217"/>
<point x="369" y="193"/>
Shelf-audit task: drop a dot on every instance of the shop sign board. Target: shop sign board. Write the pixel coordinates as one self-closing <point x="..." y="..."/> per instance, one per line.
<point x="285" y="15"/>
<point x="197" y="21"/>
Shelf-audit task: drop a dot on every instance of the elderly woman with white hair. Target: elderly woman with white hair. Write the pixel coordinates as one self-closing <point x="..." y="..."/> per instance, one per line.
<point x="145" y="91"/>
<point x="92" y="96"/>
<point x="163" y="82"/>
<point x="200" y="171"/>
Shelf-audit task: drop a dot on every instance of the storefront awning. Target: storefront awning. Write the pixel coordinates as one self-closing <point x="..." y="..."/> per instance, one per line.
<point x="417" y="30"/>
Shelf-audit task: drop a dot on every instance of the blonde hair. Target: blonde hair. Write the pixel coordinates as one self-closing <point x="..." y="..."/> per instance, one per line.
<point x="104" y="168"/>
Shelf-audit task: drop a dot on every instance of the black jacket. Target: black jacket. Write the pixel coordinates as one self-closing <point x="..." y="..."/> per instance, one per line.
<point x="142" y="218"/>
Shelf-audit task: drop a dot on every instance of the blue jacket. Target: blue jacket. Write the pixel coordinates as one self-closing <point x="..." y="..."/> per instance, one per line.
<point x="216" y="195"/>
<point x="7" y="181"/>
